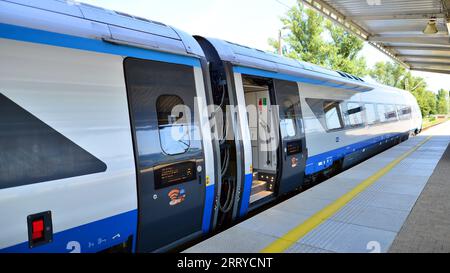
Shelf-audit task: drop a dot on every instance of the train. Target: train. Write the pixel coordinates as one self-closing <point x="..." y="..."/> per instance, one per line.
<point x="123" y="134"/>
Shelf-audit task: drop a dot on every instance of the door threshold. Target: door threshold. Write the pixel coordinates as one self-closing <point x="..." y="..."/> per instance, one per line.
<point x="260" y="195"/>
<point x="260" y="199"/>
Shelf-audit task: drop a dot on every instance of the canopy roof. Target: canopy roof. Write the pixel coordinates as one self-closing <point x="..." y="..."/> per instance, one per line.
<point x="396" y="28"/>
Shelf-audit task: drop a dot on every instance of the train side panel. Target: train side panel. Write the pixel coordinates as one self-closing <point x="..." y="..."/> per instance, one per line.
<point x="328" y="143"/>
<point x="68" y="148"/>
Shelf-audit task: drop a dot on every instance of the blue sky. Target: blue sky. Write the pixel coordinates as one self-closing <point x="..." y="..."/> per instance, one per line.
<point x="247" y="22"/>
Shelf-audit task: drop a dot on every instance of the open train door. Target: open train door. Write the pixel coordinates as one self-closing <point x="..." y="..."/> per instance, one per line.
<point x="170" y="155"/>
<point x="292" y="142"/>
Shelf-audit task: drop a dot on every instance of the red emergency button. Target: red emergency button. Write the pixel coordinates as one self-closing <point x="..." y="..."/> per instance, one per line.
<point x="38" y="229"/>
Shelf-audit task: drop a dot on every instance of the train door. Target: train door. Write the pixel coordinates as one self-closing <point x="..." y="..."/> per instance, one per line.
<point x="261" y="140"/>
<point x="292" y="142"/>
<point x="169" y="153"/>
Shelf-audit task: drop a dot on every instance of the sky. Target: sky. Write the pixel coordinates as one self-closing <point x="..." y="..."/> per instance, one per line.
<point x="246" y="22"/>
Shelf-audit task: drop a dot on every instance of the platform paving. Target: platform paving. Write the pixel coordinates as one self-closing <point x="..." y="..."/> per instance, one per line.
<point x="427" y="228"/>
<point x="399" y="212"/>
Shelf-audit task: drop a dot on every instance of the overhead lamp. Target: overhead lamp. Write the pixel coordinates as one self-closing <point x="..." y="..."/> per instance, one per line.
<point x="431" y="27"/>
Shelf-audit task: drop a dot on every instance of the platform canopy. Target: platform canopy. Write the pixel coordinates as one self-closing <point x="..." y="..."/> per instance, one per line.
<point x="396" y="27"/>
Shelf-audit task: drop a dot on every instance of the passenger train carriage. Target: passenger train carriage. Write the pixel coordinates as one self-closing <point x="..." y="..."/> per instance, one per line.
<point x="88" y="160"/>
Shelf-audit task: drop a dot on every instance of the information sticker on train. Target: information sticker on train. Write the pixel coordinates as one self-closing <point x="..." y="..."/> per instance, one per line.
<point x="177" y="196"/>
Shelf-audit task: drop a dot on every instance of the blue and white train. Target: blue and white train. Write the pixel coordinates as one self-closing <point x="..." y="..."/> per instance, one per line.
<point x="87" y="159"/>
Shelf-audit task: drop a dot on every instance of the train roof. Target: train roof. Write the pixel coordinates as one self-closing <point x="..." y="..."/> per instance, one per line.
<point x="249" y="57"/>
<point x="87" y="21"/>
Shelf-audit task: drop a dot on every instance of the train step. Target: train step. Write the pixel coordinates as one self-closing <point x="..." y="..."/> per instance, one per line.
<point x="258" y="186"/>
<point x="260" y="195"/>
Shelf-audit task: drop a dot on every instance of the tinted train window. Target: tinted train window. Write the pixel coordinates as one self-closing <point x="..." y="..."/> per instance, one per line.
<point x="391" y="112"/>
<point x="381" y="112"/>
<point x="173" y="124"/>
<point x="332" y="115"/>
<point x="404" y="112"/>
<point x="354" y="114"/>
<point x="328" y="112"/>
<point x="288" y="124"/>
<point x="407" y="111"/>
<point x="162" y="98"/>
<point x="371" y="115"/>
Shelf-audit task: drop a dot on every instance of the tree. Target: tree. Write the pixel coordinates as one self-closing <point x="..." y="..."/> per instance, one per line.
<point x="431" y="102"/>
<point x="389" y="73"/>
<point x="344" y="51"/>
<point x="411" y="83"/>
<point x="307" y="41"/>
<point x="442" y="102"/>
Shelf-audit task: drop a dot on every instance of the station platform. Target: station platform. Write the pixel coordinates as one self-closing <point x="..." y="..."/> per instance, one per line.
<point x="396" y="201"/>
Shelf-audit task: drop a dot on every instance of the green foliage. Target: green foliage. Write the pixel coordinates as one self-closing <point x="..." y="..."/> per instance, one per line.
<point x="344" y="51"/>
<point x="442" y="102"/>
<point x="431" y="102"/>
<point x="389" y="74"/>
<point x="314" y="39"/>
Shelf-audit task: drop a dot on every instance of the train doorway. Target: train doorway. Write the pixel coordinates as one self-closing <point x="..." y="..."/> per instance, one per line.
<point x="262" y="122"/>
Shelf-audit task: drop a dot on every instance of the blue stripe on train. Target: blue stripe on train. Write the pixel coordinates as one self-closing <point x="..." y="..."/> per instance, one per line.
<point x="207" y="211"/>
<point x="92" y="237"/>
<point x="63" y="40"/>
<point x="322" y="161"/>
<point x="245" y="200"/>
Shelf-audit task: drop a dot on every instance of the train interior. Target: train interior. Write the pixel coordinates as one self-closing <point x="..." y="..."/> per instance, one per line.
<point x="263" y="130"/>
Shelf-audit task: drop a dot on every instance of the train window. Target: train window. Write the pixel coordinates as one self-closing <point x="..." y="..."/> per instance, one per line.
<point x="333" y="118"/>
<point x="173" y="124"/>
<point x="404" y="112"/>
<point x="407" y="111"/>
<point x="398" y="108"/>
<point x="288" y="121"/>
<point x="381" y="112"/>
<point x="391" y="112"/>
<point x="327" y="112"/>
<point x="354" y="114"/>
<point x="370" y="114"/>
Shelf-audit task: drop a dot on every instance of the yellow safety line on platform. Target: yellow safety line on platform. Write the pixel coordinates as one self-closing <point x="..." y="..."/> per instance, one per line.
<point x="291" y="237"/>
